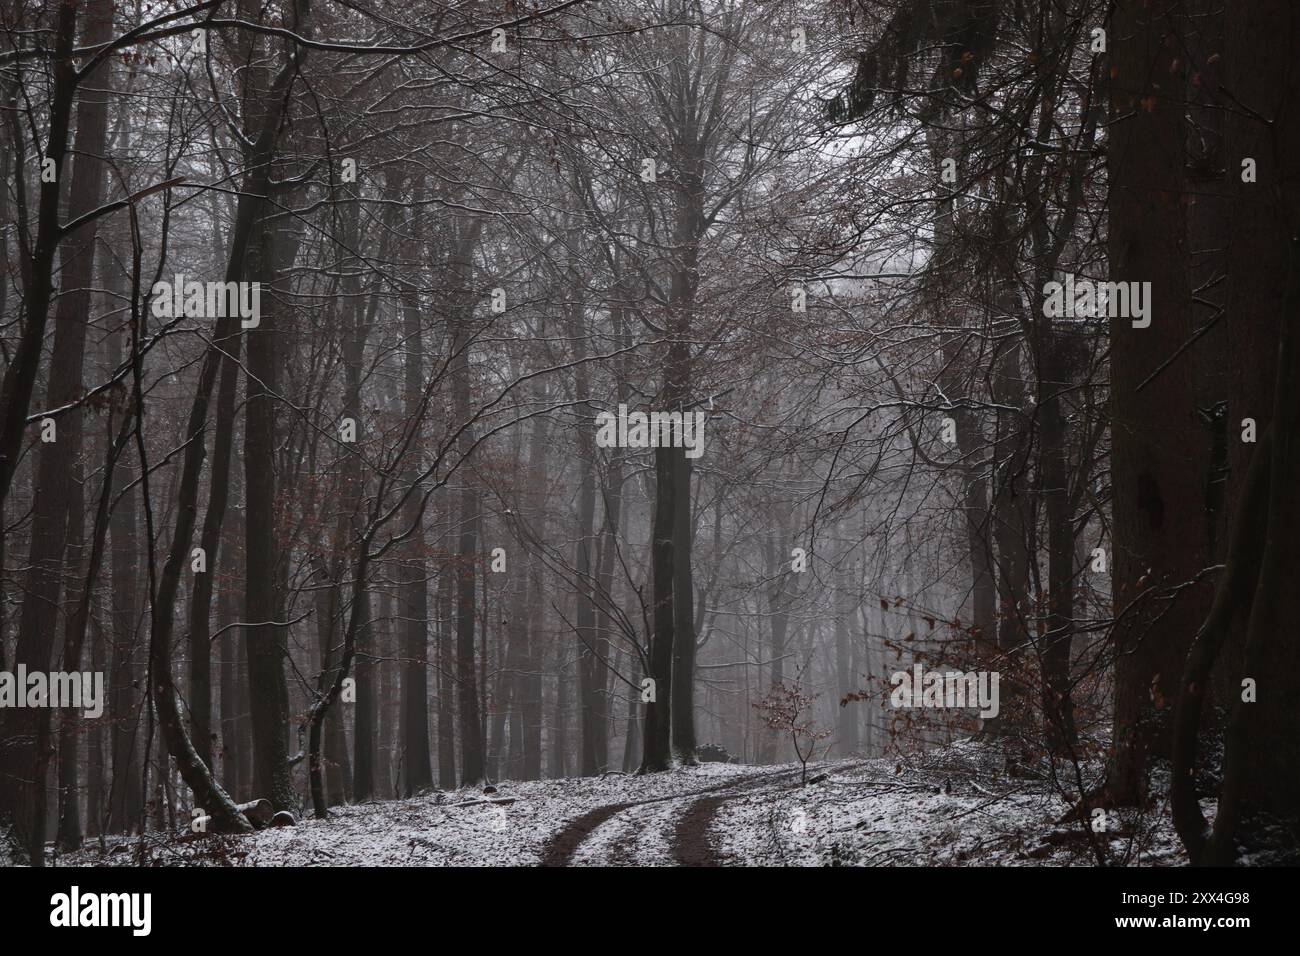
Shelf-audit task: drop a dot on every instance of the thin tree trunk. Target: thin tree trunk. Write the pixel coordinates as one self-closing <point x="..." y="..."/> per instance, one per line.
<point x="229" y="671"/>
<point x="591" y="668"/>
<point x="446" y="681"/>
<point x="530" y="684"/>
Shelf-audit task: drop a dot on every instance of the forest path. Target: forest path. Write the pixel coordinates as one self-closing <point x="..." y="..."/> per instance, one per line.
<point x="693" y="843"/>
<point x="668" y="830"/>
<point x="945" y="807"/>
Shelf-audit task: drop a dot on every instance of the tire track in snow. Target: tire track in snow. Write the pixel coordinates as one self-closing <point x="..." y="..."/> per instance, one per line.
<point x="677" y="836"/>
<point x="564" y="846"/>
<point x="559" y="851"/>
<point x="691" y="845"/>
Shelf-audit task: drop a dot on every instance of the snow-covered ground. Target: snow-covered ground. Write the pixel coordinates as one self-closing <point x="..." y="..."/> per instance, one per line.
<point x="948" y="807"/>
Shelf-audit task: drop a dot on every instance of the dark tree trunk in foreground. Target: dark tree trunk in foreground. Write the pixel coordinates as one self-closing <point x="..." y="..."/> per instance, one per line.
<point x="1157" y="460"/>
<point x="266" y="641"/>
<point x="20" y="375"/>
<point x="26" y="732"/>
<point x="1256" y="596"/>
<point x="655" y="747"/>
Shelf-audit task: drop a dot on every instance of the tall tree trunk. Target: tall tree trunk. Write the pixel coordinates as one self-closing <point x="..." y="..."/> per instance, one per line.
<point x="20" y="376"/>
<point x="612" y="500"/>
<point x="96" y="765"/>
<point x="124" y="797"/>
<point x="365" y="711"/>
<point x="23" y="758"/>
<point x="530" y="685"/>
<point x="591" y="666"/>
<point x="349" y="528"/>
<point x="267" y="642"/>
<point x="1013" y="517"/>
<point x="1157" y="463"/>
<point x="499" y="705"/>
<point x="469" y="719"/>
<point x="1053" y="469"/>
<point x="446" y="657"/>
<point x="200" y="683"/>
<point x="68" y="836"/>
<point x="655" y="748"/>
<point x="684" y="648"/>
<point x="1249" y="633"/>
<point x="71" y="728"/>
<point x="847" y="723"/>
<point x="254" y="188"/>
<point x="329" y="597"/>
<point x="559" y="765"/>
<point x="230" y="704"/>
<point x="778" y="610"/>
<point x="516" y="666"/>
<point x="386" y="700"/>
<point x="417" y="767"/>
<point x="688" y="228"/>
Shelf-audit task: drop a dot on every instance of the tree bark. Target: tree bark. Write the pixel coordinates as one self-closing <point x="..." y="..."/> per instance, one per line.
<point x="254" y="189"/>
<point x="655" y="747"/>
<point x="20" y="376"/>
<point x="469" y="719"/>
<point x="1157" y="451"/>
<point x="1249" y="633"/>
<point x="266" y="642"/>
<point x="417" y="768"/>
<point x="446" y="657"/>
<point x="57" y="462"/>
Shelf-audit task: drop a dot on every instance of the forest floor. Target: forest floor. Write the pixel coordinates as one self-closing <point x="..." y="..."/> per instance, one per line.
<point x="948" y="807"/>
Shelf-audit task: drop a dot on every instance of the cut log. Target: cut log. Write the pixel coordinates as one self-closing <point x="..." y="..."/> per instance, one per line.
<point x="258" y="812"/>
<point x="283" y="819"/>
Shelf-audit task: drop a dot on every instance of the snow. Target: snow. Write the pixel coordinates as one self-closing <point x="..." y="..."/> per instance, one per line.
<point x="946" y="807"/>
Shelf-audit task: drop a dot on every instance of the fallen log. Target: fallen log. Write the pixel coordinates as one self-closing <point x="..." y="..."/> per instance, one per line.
<point x="258" y="812"/>
<point x="472" y="803"/>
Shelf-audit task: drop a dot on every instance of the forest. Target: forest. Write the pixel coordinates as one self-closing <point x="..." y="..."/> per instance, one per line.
<point x="649" y="432"/>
